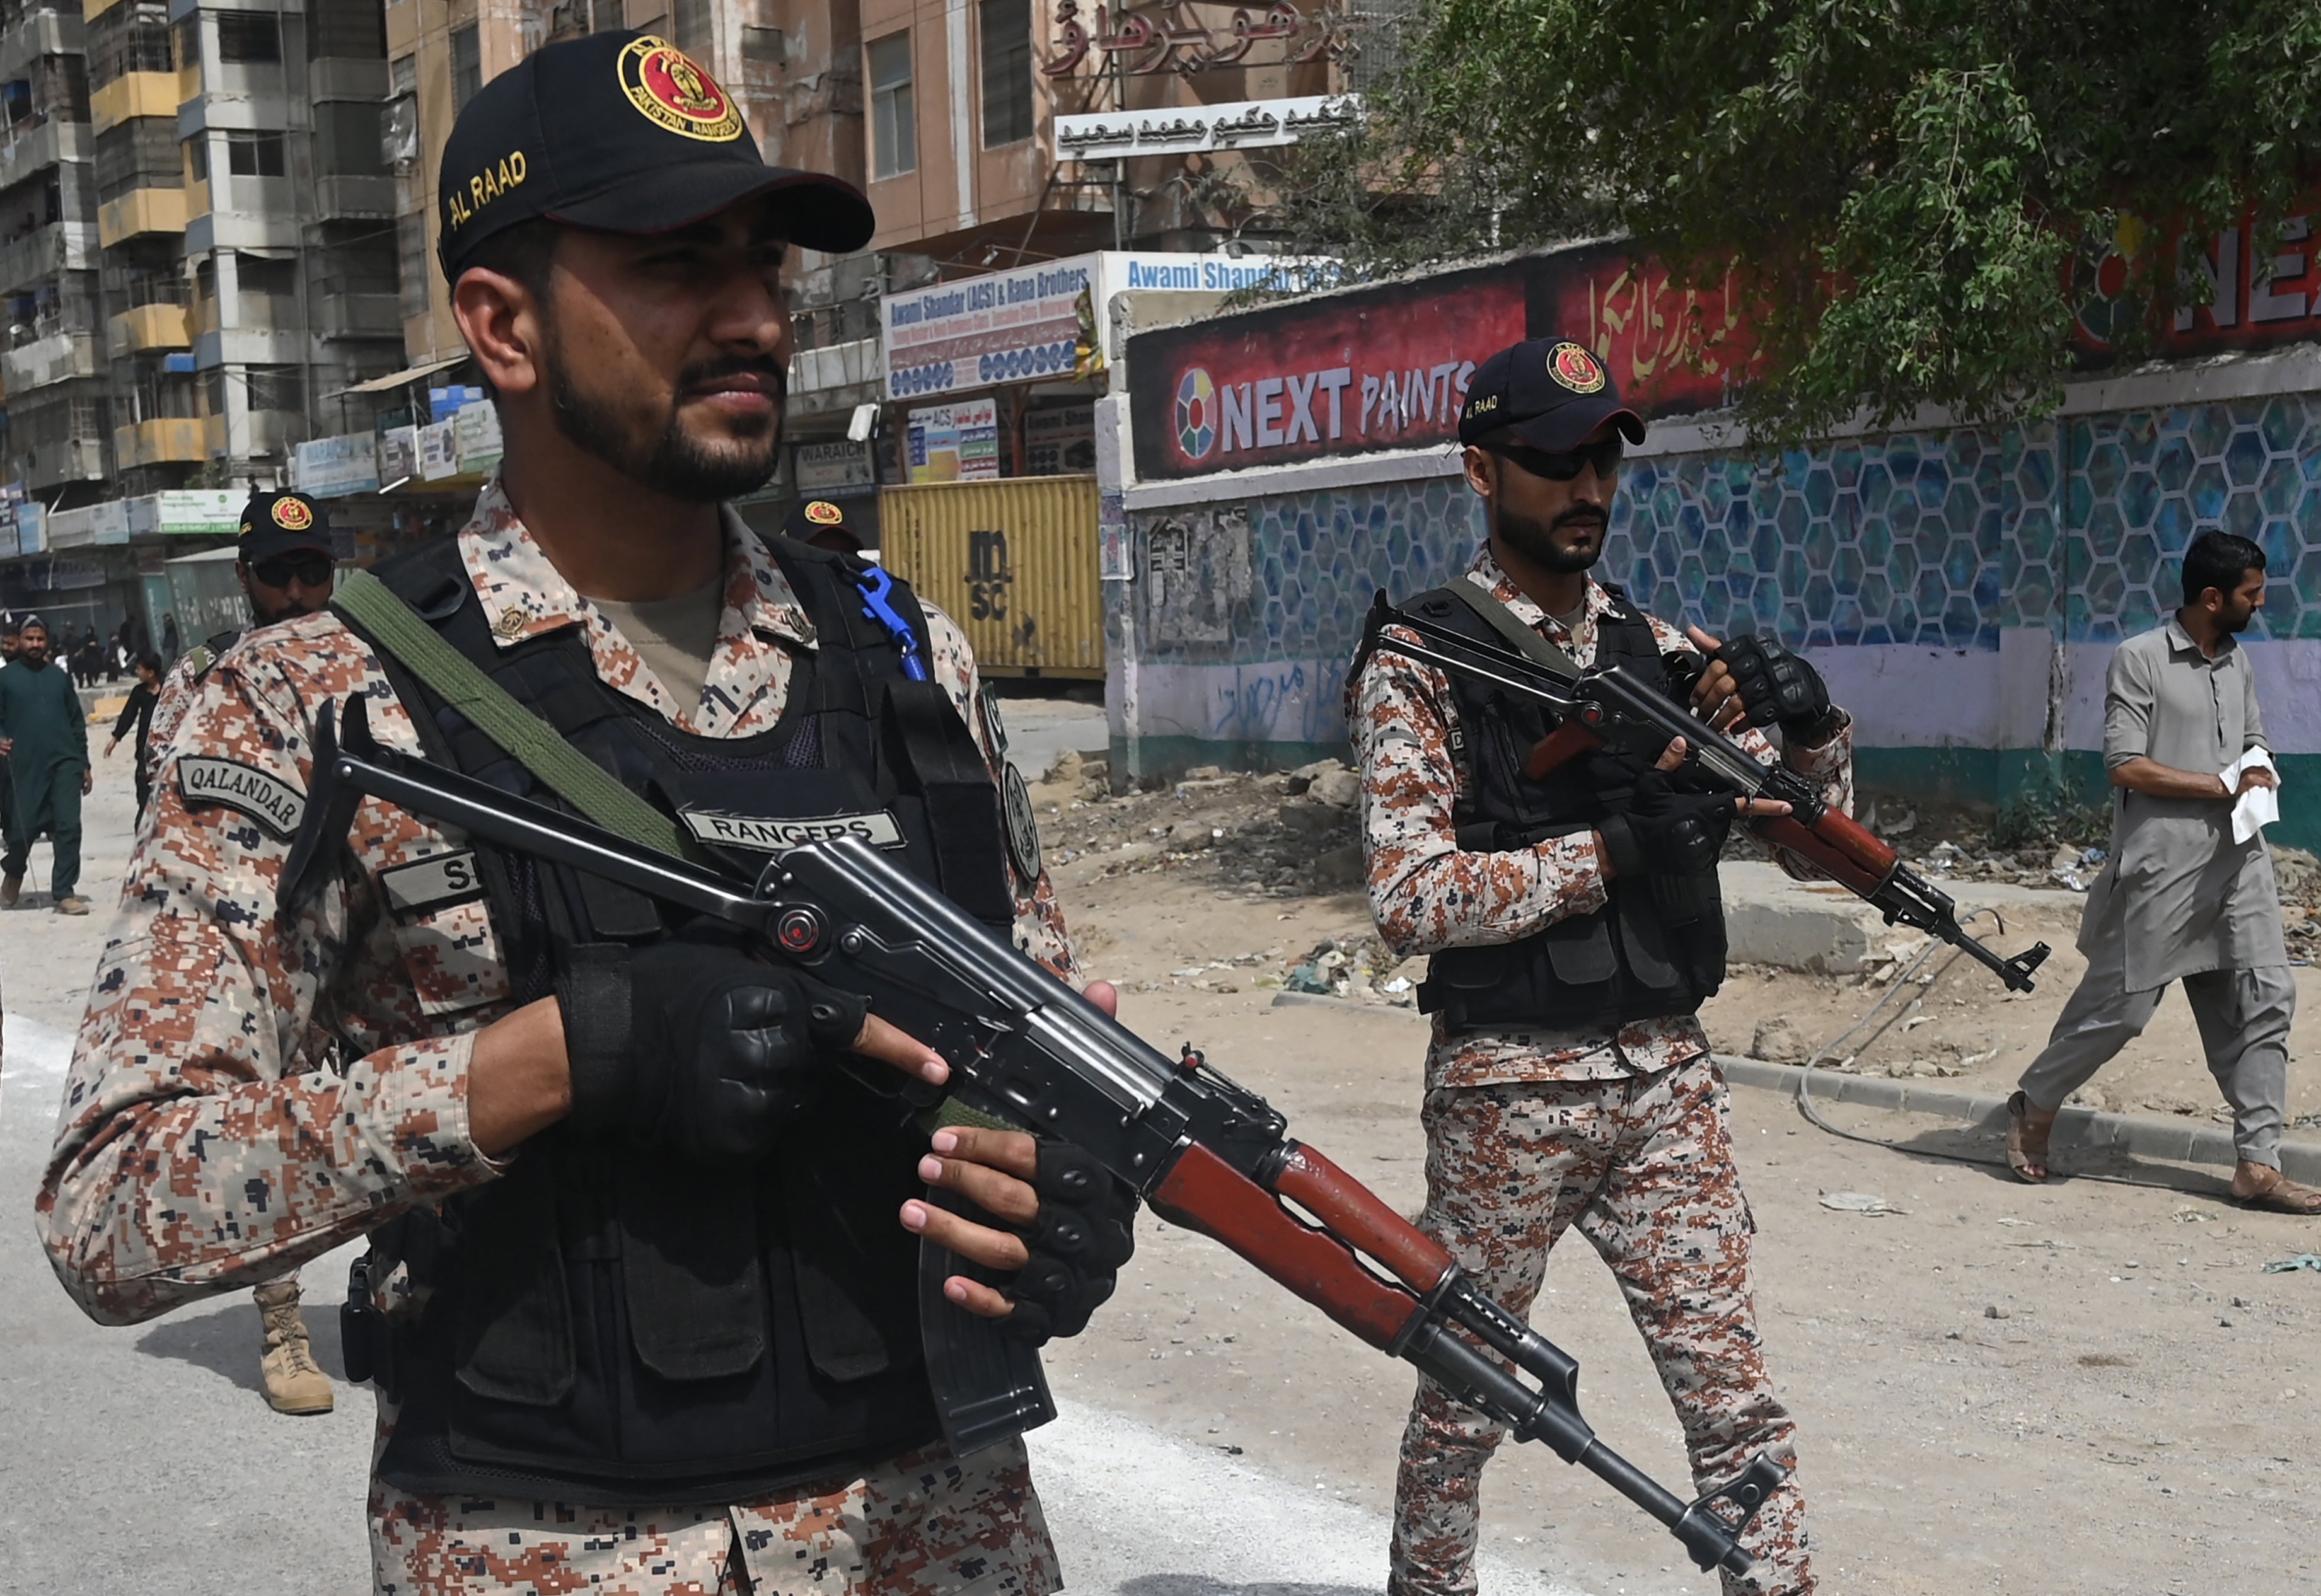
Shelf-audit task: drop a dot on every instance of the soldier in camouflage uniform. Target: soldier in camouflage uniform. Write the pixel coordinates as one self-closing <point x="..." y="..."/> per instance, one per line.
<point x="1550" y="1103"/>
<point x="254" y="1087"/>
<point x="285" y="568"/>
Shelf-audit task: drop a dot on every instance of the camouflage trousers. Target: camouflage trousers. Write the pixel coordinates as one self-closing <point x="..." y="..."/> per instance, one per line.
<point x="926" y="1524"/>
<point x="1643" y="1166"/>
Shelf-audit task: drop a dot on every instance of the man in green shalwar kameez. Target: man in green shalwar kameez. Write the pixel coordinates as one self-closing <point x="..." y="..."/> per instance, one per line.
<point x="44" y="735"/>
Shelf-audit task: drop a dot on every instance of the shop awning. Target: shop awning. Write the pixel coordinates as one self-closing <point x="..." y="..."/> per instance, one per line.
<point x="396" y="379"/>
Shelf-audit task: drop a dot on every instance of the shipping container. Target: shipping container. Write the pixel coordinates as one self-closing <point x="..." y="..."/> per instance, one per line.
<point x="1013" y="562"/>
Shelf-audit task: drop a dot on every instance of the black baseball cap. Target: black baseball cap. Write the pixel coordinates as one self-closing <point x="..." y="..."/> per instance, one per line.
<point x="820" y="518"/>
<point x="274" y="525"/>
<point x="626" y="133"/>
<point x="1549" y="393"/>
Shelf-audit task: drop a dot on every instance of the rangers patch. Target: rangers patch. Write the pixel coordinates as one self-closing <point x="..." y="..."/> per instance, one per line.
<point x="1023" y="825"/>
<point x="436" y="882"/>
<point x="760" y="834"/>
<point x="1575" y="367"/>
<point x="673" y="92"/>
<point x="261" y="795"/>
<point x="291" y="514"/>
<point x="822" y="513"/>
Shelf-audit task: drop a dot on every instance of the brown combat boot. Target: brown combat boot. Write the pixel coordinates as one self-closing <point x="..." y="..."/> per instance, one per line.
<point x="295" y="1382"/>
<point x="10" y="889"/>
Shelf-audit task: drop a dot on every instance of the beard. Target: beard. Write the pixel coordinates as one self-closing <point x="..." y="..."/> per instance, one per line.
<point x="1535" y="540"/>
<point x="671" y="460"/>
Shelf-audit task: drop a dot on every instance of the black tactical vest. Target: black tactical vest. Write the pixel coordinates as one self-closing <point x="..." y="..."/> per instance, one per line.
<point x="1656" y="948"/>
<point x="608" y="1323"/>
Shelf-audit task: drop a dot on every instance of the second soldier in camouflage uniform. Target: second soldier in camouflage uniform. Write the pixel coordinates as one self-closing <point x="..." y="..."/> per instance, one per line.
<point x="1569" y="1081"/>
<point x="284" y="561"/>
<point x="642" y="1291"/>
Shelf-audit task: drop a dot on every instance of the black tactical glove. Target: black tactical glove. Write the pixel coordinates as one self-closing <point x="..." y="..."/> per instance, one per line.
<point x="1778" y="688"/>
<point x="1663" y="831"/>
<point x="1079" y="1240"/>
<point x="691" y="1044"/>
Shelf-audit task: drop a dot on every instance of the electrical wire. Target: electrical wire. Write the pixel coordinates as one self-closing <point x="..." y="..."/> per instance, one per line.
<point x="1908" y="978"/>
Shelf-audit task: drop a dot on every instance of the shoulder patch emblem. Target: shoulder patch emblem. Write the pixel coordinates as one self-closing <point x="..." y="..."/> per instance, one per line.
<point x="822" y="513"/>
<point x="204" y="780"/>
<point x="672" y="92"/>
<point x="1023" y="825"/>
<point x="1575" y="367"/>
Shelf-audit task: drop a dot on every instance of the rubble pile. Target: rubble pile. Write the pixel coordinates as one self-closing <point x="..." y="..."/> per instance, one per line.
<point x="1285" y="835"/>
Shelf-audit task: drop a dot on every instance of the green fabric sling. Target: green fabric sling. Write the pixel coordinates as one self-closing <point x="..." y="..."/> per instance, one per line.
<point x="492" y="710"/>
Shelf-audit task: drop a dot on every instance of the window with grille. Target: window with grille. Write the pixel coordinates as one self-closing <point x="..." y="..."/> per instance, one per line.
<point x="249" y="36"/>
<point x="134" y="38"/>
<point x="250" y="153"/>
<point x="412" y="269"/>
<point x="276" y="387"/>
<point x="348" y="30"/>
<point x="894" y="123"/>
<point x="140" y="153"/>
<point x="348" y="139"/>
<point x="1006" y="30"/>
<point x="467" y="66"/>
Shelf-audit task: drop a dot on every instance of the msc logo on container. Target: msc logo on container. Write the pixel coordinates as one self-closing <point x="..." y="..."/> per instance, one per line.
<point x="988" y="576"/>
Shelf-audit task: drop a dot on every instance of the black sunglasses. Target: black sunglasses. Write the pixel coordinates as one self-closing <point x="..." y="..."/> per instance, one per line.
<point x="313" y="570"/>
<point x="1561" y="465"/>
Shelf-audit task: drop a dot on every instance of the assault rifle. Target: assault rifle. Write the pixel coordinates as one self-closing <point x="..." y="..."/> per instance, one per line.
<point x="1203" y="1152"/>
<point x="1610" y="709"/>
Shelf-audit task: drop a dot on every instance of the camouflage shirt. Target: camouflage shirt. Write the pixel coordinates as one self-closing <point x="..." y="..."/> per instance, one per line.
<point x="1427" y="894"/>
<point x="249" y="1091"/>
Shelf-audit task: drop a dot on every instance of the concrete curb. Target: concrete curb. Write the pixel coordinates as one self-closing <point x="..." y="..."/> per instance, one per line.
<point x="2142" y="1136"/>
<point x="2139" y="1134"/>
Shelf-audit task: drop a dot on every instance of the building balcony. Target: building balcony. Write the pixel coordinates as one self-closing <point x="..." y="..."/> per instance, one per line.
<point x="45" y="31"/>
<point x="58" y="358"/>
<point x="37" y="148"/>
<point x="141" y="211"/>
<point x="42" y="253"/>
<point x="133" y="94"/>
<point x="357" y="198"/>
<point x="52" y="465"/>
<point x="343" y="77"/>
<point x="150" y="327"/>
<point x="169" y="441"/>
<point x="362" y="316"/>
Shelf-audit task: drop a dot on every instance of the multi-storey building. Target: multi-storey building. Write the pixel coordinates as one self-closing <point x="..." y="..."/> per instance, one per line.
<point x="197" y="263"/>
<point x="288" y="236"/>
<point x="54" y="380"/>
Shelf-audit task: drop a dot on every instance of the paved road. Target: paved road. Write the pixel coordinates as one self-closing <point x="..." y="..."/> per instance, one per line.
<point x="142" y="1458"/>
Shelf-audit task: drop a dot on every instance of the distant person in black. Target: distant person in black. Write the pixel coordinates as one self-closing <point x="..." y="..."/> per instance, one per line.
<point x="170" y="645"/>
<point x="137" y="716"/>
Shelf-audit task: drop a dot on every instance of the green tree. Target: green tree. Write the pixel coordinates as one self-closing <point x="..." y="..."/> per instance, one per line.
<point x="1908" y="190"/>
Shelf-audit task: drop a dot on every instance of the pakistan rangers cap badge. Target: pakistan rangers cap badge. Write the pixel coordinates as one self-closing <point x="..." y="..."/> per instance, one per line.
<point x="1575" y="369"/>
<point x="664" y="83"/>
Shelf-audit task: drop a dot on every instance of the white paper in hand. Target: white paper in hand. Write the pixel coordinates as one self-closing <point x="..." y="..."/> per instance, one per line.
<point x="2259" y="807"/>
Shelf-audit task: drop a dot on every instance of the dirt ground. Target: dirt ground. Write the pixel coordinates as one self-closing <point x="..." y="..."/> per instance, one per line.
<point x="2089" y="1387"/>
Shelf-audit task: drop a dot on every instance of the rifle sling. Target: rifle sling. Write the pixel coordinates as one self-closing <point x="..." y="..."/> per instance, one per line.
<point x="400" y="631"/>
<point x="1526" y="641"/>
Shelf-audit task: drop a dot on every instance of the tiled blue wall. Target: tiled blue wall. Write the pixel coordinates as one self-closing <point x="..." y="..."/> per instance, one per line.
<point x="1934" y="538"/>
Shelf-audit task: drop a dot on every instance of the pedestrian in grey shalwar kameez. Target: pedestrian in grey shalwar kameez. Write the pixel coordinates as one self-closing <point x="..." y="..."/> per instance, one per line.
<point x="2182" y="900"/>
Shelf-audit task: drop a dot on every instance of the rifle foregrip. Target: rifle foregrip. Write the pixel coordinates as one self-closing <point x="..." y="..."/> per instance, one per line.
<point x="1203" y="1192"/>
<point x="1849" y="850"/>
<point x="1361" y="1218"/>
